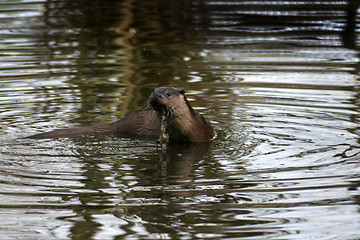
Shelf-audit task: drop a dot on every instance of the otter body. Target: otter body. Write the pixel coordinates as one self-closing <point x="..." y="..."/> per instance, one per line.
<point x="141" y="124"/>
<point x="172" y="116"/>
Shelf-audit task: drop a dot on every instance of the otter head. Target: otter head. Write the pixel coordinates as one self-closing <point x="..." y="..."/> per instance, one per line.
<point x="178" y="120"/>
<point x="168" y="101"/>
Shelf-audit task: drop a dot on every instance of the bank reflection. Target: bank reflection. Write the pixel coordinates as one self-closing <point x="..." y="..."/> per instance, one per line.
<point x="123" y="49"/>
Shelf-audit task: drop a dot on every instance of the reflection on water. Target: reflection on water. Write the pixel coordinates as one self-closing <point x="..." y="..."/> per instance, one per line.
<point x="279" y="81"/>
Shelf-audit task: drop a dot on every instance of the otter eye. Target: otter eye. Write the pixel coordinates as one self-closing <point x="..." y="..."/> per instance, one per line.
<point x="168" y="94"/>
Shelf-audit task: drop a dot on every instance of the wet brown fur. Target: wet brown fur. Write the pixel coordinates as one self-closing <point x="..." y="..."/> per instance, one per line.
<point x="184" y="124"/>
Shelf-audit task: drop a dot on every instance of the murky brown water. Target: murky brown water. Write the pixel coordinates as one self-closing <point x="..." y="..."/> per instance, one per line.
<point x="279" y="81"/>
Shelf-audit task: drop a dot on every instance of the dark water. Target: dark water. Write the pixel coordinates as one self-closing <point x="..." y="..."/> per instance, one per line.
<point x="279" y="80"/>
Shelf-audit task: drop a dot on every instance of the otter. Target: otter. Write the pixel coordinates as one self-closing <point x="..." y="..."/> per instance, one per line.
<point x="171" y="119"/>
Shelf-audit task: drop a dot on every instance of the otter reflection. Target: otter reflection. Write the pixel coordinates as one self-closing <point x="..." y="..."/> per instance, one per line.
<point x="178" y="163"/>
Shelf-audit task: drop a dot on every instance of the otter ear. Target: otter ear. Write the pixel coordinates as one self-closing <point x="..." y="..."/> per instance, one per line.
<point x="182" y="91"/>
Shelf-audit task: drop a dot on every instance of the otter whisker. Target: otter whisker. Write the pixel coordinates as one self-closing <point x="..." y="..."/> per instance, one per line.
<point x="145" y="106"/>
<point x="169" y="112"/>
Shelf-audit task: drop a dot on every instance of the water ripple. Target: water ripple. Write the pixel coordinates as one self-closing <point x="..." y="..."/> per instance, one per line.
<point x="278" y="80"/>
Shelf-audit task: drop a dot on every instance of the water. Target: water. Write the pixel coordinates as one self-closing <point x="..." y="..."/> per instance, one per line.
<point x="278" y="81"/>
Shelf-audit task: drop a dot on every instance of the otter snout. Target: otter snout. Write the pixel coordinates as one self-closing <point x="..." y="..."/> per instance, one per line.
<point x="163" y="98"/>
<point x="155" y="102"/>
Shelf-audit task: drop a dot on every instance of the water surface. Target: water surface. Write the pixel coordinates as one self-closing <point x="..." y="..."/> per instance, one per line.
<point x="278" y="81"/>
